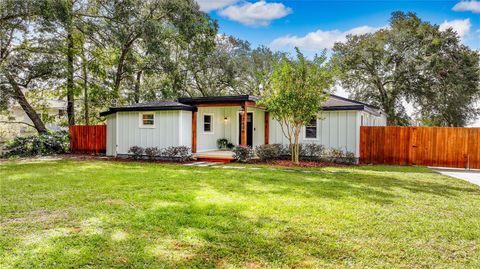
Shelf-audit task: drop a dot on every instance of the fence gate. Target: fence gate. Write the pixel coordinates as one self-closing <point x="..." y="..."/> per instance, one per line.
<point x="429" y="146"/>
<point x="88" y="138"/>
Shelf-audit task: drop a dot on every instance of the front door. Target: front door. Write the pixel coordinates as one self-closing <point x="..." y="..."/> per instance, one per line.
<point x="249" y="129"/>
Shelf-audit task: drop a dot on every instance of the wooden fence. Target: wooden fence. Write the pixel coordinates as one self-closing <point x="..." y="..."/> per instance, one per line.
<point x="430" y="146"/>
<point x="88" y="139"/>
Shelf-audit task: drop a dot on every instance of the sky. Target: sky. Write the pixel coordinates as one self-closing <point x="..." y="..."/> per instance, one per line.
<point x="314" y="25"/>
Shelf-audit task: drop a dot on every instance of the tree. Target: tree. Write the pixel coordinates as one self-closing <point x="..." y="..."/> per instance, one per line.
<point x="27" y="61"/>
<point x="414" y="61"/>
<point x="452" y="80"/>
<point x="295" y="94"/>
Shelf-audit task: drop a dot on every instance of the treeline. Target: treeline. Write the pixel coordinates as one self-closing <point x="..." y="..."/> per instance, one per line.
<point x="98" y="53"/>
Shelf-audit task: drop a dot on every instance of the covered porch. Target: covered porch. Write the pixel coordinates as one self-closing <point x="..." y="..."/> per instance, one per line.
<point x="237" y="119"/>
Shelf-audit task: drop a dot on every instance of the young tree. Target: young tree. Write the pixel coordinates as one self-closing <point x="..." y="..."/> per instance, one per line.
<point x="295" y="93"/>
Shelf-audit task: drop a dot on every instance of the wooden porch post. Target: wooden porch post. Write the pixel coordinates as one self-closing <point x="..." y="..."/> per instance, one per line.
<point x="267" y="128"/>
<point x="194" y="131"/>
<point x="243" y="141"/>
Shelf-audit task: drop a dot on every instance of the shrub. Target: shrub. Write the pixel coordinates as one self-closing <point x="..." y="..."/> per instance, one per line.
<point x="230" y="146"/>
<point x="152" y="152"/>
<point x="242" y="153"/>
<point x="312" y="151"/>
<point x="350" y="157"/>
<point x="180" y="153"/>
<point x="222" y="143"/>
<point x="269" y="152"/>
<point x="332" y="155"/>
<point x="136" y="152"/>
<point x="40" y="144"/>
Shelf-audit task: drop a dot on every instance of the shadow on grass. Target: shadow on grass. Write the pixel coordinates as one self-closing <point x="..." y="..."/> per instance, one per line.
<point x="143" y="218"/>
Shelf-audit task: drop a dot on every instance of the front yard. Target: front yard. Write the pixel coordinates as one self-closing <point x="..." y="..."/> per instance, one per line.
<point x="99" y="214"/>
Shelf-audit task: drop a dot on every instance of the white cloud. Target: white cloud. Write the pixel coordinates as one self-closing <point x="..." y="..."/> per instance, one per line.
<point x="473" y="6"/>
<point x="462" y="27"/>
<point x="260" y="13"/>
<point x="209" y="5"/>
<point x="320" y="39"/>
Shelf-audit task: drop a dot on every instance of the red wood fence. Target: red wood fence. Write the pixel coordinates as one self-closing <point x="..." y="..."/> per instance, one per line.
<point x="432" y="146"/>
<point x="88" y="138"/>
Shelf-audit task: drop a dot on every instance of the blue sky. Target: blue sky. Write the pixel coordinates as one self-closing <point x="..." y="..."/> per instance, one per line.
<point x="314" y="25"/>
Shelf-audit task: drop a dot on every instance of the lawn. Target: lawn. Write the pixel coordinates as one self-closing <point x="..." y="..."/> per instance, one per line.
<point x="100" y="214"/>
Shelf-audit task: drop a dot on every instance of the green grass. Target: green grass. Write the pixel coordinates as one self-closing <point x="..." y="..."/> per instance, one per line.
<point x="99" y="214"/>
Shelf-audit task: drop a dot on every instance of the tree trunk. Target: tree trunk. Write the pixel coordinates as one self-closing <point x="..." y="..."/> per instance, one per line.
<point x="85" y="88"/>
<point x="120" y="66"/>
<point x="297" y="153"/>
<point x="31" y="113"/>
<point x="136" y="94"/>
<point x="70" y="70"/>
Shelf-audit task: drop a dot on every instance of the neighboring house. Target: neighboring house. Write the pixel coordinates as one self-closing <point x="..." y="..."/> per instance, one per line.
<point x="199" y="122"/>
<point x="17" y="123"/>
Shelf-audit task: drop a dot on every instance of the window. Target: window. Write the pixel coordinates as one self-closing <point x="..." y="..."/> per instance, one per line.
<point x="311" y="130"/>
<point x="147" y="120"/>
<point x="207" y="123"/>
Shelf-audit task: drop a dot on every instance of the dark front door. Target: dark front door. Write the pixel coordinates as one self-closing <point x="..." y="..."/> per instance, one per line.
<point x="249" y="129"/>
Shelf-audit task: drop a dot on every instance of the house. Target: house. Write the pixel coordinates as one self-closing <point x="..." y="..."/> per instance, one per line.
<point x="200" y="121"/>
<point x="17" y="123"/>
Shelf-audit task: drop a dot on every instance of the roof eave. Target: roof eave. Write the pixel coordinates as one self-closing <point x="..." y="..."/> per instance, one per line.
<point x="157" y="108"/>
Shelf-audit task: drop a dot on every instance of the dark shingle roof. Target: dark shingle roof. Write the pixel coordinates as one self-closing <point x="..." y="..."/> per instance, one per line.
<point x="333" y="103"/>
<point x="213" y="99"/>
<point x="336" y="102"/>
<point x="154" y="105"/>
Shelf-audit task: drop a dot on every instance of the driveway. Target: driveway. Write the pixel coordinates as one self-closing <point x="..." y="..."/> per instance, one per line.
<point x="472" y="176"/>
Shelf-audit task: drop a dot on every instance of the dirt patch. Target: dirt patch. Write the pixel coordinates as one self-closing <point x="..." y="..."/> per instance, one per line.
<point x="37" y="216"/>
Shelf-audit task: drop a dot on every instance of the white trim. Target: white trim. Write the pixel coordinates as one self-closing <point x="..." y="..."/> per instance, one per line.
<point x="304" y="130"/>
<point x="238" y="127"/>
<point x="140" y="120"/>
<point x="212" y="125"/>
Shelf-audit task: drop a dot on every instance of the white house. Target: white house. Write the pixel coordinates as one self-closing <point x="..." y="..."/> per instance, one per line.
<point x="199" y="122"/>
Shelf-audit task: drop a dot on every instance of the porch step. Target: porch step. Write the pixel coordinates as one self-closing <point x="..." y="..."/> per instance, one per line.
<point x="214" y="159"/>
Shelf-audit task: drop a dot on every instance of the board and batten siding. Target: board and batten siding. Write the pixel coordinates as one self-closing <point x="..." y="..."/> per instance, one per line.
<point x="111" y="135"/>
<point x="227" y="128"/>
<point x="172" y="128"/>
<point x="335" y="129"/>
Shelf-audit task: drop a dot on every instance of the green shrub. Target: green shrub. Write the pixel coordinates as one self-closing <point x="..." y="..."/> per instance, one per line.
<point x="180" y="153"/>
<point x="242" y="153"/>
<point x="152" y="152"/>
<point x="230" y="146"/>
<point x="136" y="152"/>
<point x="40" y="144"/>
<point x="269" y="152"/>
<point x="222" y="143"/>
<point x="350" y="157"/>
<point x="312" y="151"/>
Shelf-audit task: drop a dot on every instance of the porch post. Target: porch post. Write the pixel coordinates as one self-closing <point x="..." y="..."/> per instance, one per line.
<point x="194" y="131"/>
<point x="243" y="141"/>
<point x="267" y="128"/>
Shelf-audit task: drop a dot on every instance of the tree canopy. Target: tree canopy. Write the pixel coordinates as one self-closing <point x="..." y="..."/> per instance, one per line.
<point x="295" y="93"/>
<point x="412" y="60"/>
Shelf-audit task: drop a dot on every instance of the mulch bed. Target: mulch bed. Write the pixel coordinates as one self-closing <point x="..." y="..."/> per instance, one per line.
<point x="307" y="164"/>
<point x="284" y="163"/>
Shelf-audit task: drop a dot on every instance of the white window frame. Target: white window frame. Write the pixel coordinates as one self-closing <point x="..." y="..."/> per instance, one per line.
<point x="140" y="120"/>
<point x="316" y="133"/>
<point x="212" y="125"/>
